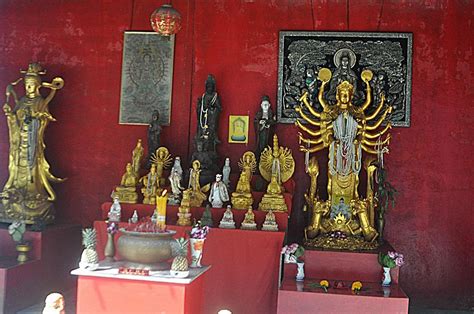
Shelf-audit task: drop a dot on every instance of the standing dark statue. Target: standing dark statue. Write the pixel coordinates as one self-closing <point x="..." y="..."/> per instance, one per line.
<point x="154" y="131"/>
<point x="264" y="124"/>
<point x="208" y="110"/>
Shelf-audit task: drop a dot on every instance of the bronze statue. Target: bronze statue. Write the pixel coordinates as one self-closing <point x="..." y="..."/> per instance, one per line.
<point x="264" y="123"/>
<point x="27" y="194"/>
<point x="154" y="131"/>
<point x="206" y="139"/>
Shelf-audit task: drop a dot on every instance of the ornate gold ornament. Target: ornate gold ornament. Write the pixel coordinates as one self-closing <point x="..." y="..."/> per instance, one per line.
<point x="277" y="160"/>
<point x="346" y="131"/>
<point x="27" y="194"/>
<point x="162" y="159"/>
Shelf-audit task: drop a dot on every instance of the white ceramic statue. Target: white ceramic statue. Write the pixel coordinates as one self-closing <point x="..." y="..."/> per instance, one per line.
<point x="54" y="304"/>
<point x="227" y="221"/>
<point x="226" y="173"/>
<point x="177" y="166"/>
<point x="270" y="223"/>
<point x="115" y="211"/>
<point x="218" y="193"/>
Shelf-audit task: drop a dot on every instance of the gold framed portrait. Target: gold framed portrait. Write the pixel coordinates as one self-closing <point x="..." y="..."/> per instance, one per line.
<point x="238" y="129"/>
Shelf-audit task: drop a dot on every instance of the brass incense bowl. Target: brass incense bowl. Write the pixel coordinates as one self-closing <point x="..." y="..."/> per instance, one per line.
<point x="145" y="248"/>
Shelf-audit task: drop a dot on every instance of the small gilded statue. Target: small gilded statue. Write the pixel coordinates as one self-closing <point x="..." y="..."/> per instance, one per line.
<point x="137" y="156"/>
<point x="227" y="221"/>
<point x="277" y="161"/>
<point x="126" y="192"/>
<point x="162" y="159"/>
<point x="184" y="210"/>
<point x="150" y="186"/>
<point x="249" y="221"/>
<point x="348" y="132"/>
<point x="273" y="199"/>
<point x="264" y="123"/>
<point x="27" y="194"/>
<point x="218" y="194"/>
<point x="197" y="194"/>
<point x="154" y="131"/>
<point x="242" y="197"/>
<point x="270" y="223"/>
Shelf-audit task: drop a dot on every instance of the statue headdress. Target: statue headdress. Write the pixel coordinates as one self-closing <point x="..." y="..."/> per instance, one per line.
<point x="34" y="69"/>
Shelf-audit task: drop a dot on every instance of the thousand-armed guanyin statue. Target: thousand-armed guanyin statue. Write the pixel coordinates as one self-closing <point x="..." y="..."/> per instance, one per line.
<point x="28" y="195"/>
<point x="345" y="220"/>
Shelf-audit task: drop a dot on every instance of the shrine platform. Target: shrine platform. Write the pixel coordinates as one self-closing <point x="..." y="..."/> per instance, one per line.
<point x="344" y="267"/>
<point x="55" y="251"/>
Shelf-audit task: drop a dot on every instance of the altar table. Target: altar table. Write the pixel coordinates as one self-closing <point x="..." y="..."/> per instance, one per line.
<point x="106" y="291"/>
<point x="302" y="297"/>
<point x="245" y="268"/>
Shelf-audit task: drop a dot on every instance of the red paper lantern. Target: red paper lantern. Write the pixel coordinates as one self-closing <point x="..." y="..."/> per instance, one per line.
<point x="166" y="20"/>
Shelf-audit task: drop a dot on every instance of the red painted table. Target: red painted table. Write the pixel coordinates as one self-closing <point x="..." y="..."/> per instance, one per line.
<point x="105" y="291"/>
<point x="244" y="275"/>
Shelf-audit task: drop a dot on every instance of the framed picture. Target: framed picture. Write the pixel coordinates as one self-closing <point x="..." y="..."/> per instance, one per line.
<point x="387" y="55"/>
<point x="239" y="129"/>
<point x="147" y="77"/>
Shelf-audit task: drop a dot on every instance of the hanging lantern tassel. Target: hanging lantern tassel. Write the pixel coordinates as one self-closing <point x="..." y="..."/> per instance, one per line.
<point x="165" y="20"/>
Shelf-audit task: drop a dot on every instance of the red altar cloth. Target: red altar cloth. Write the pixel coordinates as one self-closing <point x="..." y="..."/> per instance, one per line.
<point x="217" y="213"/>
<point x="245" y="268"/>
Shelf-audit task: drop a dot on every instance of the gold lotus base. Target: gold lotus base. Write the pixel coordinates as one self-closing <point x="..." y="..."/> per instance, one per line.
<point x="241" y="200"/>
<point x="125" y="196"/>
<point x="274" y="203"/>
<point x="348" y="244"/>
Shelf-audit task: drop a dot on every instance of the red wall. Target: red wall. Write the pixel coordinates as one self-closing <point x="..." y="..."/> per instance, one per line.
<point x="237" y="41"/>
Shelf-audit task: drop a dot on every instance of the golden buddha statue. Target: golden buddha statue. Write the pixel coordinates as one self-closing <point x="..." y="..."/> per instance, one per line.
<point x="196" y="192"/>
<point x="162" y="159"/>
<point x="273" y="199"/>
<point x="242" y="197"/>
<point x="126" y="192"/>
<point x="27" y="194"/>
<point x="347" y="132"/>
<point x="277" y="160"/>
<point x="184" y="210"/>
<point x="137" y="156"/>
<point x="150" y="186"/>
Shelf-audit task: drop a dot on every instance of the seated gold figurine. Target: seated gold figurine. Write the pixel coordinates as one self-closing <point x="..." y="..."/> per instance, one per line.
<point x="150" y="186"/>
<point x="126" y="192"/>
<point x="273" y="199"/>
<point x="197" y="196"/>
<point x="249" y="220"/>
<point x="270" y="223"/>
<point x="242" y="197"/>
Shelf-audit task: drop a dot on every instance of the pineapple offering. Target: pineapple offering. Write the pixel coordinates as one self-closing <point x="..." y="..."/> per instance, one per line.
<point x="89" y="257"/>
<point x="180" y="267"/>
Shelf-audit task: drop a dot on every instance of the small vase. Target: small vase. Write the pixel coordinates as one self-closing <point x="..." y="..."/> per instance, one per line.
<point x="300" y="273"/>
<point x="22" y="250"/>
<point x="196" y="252"/>
<point x="387" y="279"/>
<point x="109" y="250"/>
